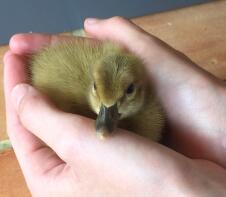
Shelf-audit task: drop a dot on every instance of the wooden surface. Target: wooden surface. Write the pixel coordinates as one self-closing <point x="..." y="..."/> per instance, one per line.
<point x="198" y="31"/>
<point x="11" y="179"/>
<point x="3" y="134"/>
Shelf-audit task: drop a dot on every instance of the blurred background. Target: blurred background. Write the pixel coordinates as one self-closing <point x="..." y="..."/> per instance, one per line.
<point x="55" y="16"/>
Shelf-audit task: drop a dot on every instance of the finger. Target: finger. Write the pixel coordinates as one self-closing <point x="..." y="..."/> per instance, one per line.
<point x="32" y="42"/>
<point x="13" y="73"/>
<point x="161" y="60"/>
<point x="151" y="49"/>
<point x="45" y="121"/>
<point x="122" y="31"/>
<point x="125" y="28"/>
<point x="33" y="155"/>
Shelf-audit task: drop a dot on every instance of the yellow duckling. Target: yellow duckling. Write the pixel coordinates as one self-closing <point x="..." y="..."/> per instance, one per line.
<point x="88" y="77"/>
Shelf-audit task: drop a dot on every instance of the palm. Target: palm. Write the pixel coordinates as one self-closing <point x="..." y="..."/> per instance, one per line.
<point x="194" y="107"/>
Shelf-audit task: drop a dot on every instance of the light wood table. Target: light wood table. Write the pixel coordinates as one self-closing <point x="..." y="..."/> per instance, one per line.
<point x="3" y="135"/>
<point x="198" y="31"/>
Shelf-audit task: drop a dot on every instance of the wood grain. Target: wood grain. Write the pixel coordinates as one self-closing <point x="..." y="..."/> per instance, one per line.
<point x="11" y="179"/>
<point x="198" y="31"/>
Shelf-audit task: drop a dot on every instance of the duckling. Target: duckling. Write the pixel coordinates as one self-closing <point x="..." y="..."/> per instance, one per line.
<point x="100" y="80"/>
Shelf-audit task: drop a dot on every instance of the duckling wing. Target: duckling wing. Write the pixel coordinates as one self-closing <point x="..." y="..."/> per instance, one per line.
<point x="63" y="72"/>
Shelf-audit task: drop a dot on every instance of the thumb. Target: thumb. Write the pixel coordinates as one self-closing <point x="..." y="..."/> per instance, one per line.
<point x="59" y="130"/>
<point x="25" y="97"/>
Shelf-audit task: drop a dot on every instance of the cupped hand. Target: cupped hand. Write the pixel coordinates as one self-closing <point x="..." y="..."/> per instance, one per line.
<point x="194" y="100"/>
<point x="59" y="153"/>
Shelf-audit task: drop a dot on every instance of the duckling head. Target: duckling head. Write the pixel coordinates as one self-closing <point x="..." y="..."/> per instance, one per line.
<point x="117" y="90"/>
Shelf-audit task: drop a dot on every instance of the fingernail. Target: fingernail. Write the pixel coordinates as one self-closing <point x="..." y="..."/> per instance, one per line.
<point x="91" y="21"/>
<point x="18" y="93"/>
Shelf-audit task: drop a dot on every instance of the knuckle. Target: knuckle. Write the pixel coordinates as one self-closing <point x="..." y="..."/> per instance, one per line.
<point x="119" y="20"/>
<point x="67" y="149"/>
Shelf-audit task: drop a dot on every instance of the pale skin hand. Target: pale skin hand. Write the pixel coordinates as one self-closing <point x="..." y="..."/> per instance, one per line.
<point x="76" y="163"/>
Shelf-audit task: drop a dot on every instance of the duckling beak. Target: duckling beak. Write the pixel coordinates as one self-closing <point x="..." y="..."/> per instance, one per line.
<point x="107" y="120"/>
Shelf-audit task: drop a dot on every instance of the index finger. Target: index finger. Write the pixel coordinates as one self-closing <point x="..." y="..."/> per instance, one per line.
<point x="26" y="43"/>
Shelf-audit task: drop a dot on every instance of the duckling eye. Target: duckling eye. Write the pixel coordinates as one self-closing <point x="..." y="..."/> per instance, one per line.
<point x="94" y="86"/>
<point x="130" y="89"/>
<point x="94" y="89"/>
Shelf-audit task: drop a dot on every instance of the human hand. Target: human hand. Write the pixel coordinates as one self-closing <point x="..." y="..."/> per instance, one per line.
<point x="194" y="100"/>
<point x="71" y="161"/>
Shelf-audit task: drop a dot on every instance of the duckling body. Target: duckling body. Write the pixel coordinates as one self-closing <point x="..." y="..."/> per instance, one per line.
<point x="87" y="77"/>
